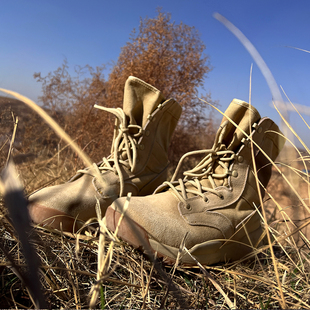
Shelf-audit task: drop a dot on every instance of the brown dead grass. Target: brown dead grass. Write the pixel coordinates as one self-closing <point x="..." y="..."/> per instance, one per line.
<point x="285" y="210"/>
<point x="69" y="263"/>
<point x="68" y="269"/>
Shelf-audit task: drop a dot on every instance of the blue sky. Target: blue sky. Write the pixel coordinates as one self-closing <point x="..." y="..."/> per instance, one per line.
<point x="37" y="35"/>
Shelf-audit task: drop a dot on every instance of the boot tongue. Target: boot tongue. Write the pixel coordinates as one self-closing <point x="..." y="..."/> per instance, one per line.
<point x="244" y="115"/>
<point x="229" y="138"/>
<point x="140" y="100"/>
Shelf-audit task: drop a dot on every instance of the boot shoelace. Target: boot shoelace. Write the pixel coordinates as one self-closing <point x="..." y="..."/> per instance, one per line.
<point x="217" y="156"/>
<point x="191" y="183"/>
<point x="123" y="141"/>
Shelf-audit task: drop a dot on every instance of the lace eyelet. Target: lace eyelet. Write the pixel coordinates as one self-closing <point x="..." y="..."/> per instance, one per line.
<point x="234" y="173"/>
<point x="221" y="196"/>
<point x="188" y="207"/>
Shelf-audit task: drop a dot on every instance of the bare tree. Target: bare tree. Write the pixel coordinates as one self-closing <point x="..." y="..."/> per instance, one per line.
<point x="167" y="55"/>
<point x="171" y="57"/>
<point x="70" y="98"/>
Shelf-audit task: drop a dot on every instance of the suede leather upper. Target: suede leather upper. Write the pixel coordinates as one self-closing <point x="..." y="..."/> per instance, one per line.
<point x="137" y="164"/>
<point x="218" y="196"/>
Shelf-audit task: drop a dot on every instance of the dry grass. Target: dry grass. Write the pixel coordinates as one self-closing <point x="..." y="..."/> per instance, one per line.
<point x="72" y="273"/>
<point x="95" y="269"/>
<point x="68" y="271"/>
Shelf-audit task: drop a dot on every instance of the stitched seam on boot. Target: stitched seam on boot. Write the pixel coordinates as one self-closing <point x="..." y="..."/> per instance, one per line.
<point x="153" y="89"/>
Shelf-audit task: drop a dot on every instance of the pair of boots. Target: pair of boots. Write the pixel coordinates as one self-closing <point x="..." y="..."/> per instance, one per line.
<point x="212" y="211"/>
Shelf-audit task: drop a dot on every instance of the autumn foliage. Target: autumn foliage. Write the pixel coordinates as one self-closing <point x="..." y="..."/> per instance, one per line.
<point x="166" y="55"/>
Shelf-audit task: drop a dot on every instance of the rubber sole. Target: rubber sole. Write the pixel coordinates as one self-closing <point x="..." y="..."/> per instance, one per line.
<point x="206" y="253"/>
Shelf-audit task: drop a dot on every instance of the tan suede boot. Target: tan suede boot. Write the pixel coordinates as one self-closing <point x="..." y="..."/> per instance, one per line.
<point x="137" y="164"/>
<point x="212" y="210"/>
